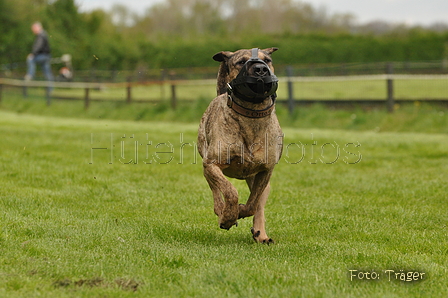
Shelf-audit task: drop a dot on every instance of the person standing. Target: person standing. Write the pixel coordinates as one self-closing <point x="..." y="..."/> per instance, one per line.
<point x="40" y="53"/>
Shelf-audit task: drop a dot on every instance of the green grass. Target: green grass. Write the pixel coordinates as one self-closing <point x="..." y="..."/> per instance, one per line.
<point x="369" y="89"/>
<point x="418" y="89"/>
<point x="73" y="228"/>
<point x="411" y="117"/>
<point x="151" y="92"/>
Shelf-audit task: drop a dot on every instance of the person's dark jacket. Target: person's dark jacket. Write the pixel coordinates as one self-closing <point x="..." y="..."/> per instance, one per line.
<point x="41" y="44"/>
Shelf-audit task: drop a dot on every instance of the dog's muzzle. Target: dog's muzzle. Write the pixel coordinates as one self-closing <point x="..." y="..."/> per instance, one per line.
<point x="256" y="86"/>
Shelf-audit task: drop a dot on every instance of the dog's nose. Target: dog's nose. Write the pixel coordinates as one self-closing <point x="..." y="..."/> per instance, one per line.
<point x="261" y="70"/>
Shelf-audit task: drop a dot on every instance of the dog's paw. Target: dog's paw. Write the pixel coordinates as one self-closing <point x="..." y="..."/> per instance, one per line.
<point x="229" y="218"/>
<point x="227" y="225"/>
<point x="258" y="239"/>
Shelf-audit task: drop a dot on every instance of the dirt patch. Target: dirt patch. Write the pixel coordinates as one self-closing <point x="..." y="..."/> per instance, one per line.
<point x="98" y="282"/>
<point x="94" y="282"/>
<point x="127" y="284"/>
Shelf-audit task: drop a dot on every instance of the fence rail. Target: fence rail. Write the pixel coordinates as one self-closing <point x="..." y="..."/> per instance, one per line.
<point x="388" y="98"/>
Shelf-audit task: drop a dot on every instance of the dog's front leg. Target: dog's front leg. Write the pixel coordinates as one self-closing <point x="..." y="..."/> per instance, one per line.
<point x="227" y="210"/>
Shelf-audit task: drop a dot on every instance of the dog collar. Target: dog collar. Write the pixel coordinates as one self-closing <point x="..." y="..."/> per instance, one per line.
<point x="249" y="112"/>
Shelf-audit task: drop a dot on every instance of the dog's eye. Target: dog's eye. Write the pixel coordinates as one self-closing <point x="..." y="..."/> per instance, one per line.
<point x="267" y="60"/>
<point x="242" y="62"/>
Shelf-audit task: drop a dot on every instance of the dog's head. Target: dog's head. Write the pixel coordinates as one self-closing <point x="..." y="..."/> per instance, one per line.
<point x="248" y="73"/>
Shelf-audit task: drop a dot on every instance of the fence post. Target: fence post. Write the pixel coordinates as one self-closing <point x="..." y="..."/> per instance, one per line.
<point x="173" y="91"/>
<point x="86" y="99"/>
<point x="173" y="96"/>
<point x="129" y="97"/>
<point x="289" y="73"/>
<point x="162" y="84"/>
<point x="48" y="95"/>
<point x="390" y="88"/>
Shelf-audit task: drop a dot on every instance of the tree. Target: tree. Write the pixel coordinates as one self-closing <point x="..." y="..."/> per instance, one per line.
<point x="16" y="37"/>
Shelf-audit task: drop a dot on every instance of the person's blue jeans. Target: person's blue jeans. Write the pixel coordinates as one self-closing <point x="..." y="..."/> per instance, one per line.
<point x="44" y="61"/>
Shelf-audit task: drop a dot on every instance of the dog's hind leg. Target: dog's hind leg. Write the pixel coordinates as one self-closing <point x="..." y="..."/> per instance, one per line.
<point x="255" y="205"/>
<point x="259" y="230"/>
<point x="227" y="210"/>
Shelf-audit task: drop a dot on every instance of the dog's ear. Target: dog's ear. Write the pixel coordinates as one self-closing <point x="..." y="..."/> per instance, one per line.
<point x="223" y="72"/>
<point x="222" y="56"/>
<point x="270" y="50"/>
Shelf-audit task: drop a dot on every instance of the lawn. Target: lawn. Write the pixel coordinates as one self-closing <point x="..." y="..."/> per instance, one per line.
<point x="141" y="92"/>
<point x="408" y="89"/>
<point x="416" y="116"/>
<point x="110" y="208"/>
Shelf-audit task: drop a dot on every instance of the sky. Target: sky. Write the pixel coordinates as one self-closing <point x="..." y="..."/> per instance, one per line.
<point x="410" y="12"/>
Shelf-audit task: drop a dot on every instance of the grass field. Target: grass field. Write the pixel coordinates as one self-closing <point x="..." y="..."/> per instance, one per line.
<point x="408" y="117"/>
<point x="370" y="89"/>
<point x="136" y="220"/>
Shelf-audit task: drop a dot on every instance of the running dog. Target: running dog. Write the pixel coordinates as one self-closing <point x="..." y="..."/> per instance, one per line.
<point x="240" y="137"/>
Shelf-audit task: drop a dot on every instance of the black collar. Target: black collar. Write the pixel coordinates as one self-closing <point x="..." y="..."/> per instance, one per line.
<point x="249" y="112"/>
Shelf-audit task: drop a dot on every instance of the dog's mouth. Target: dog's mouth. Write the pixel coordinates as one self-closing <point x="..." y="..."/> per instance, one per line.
<point x="259" y="79"/>
<point x="255" y="81"/>
<point x="261" y="88"/>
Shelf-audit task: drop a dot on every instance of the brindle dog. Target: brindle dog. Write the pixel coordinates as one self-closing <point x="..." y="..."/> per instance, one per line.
<point x="240" y="139"/>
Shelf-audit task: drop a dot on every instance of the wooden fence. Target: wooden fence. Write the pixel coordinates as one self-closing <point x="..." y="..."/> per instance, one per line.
<point x="388" y="100"/>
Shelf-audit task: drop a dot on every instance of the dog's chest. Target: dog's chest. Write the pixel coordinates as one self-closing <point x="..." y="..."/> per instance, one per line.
<point x="244" y="157"/>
